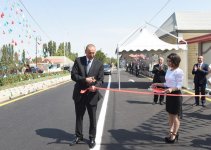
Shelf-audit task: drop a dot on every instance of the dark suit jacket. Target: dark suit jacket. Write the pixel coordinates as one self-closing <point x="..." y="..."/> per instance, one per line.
<point x="78" y="74"/>
<point x="200" y="75"/>
<point x="159" y="75"/>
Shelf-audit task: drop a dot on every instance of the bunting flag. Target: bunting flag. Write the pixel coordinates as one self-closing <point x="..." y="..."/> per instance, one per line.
<point x="15" y="26"/>
<point x="2" y="15"/>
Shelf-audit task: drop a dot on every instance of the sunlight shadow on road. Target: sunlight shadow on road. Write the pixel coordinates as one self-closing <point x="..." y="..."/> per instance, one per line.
<point x="57" y="134"/>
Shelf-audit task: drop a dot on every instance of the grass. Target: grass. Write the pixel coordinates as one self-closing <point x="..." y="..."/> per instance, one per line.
<point x="32" y="81"/>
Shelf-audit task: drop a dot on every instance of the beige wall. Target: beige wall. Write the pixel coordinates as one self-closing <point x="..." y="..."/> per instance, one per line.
<point x="192" y="57"/>
<point x="192" y="49"/>
<point x="192" y="35"/>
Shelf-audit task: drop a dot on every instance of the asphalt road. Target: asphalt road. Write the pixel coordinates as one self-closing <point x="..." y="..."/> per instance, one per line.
<point x="46" y="121"/>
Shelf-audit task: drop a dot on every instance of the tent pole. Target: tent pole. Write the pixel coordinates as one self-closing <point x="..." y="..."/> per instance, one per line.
<point x="118" y="66"/>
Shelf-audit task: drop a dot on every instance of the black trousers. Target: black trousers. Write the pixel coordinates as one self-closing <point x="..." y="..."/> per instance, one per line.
<point x="80" y="109"/>
<point x="200" y="88"/>
<point x="160" y="99"/>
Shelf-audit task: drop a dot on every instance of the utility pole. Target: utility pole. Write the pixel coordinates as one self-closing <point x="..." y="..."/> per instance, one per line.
<point x="64" y="55"/>
<point x="36" y="52"/>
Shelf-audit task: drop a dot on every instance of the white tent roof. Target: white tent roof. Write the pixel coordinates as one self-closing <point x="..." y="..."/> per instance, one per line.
<point x="146" y="40"/>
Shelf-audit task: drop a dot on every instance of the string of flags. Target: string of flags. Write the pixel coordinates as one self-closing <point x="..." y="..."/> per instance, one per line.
<point x="14" y="25"/>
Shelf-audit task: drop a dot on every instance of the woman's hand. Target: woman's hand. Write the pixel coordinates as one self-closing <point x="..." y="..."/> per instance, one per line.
<point x="169" y="90"/>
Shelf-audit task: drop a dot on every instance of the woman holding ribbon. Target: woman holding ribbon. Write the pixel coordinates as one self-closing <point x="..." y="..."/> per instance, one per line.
<point x="174" y="80"/>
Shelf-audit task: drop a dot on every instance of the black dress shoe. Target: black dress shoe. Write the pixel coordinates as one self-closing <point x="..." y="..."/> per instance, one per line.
<point x="92" y="143"/>
<point x="195" y="104"/>
<point x="161" y="103"/>
<point x="76" y="141"/>
<point x="153" y="103"/>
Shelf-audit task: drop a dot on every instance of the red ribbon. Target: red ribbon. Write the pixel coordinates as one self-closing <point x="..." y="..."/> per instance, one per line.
<point x="144" y="93"/>
<point x="83" y="91"/>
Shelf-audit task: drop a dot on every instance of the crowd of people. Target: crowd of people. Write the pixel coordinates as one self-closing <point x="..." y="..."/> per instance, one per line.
<point x="137" y="67"/>
<point x="87" y="72"/>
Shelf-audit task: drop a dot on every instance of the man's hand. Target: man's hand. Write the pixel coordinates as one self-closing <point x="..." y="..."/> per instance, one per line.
<point x="92" y="89"/>
<point x="155" y="85"/>
<point x="195" y="68"/>
<point x="90" y="80"/>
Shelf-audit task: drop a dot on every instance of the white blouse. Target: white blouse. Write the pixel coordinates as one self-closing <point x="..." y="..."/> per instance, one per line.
<point x="174" y="78"/>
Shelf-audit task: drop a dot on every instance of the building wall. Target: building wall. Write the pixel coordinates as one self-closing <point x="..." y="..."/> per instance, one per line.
<point x="206" y="51"/>
<point x="192" y="35"/>
<point x="192" y="57"/>
<point x="193" y="49"/>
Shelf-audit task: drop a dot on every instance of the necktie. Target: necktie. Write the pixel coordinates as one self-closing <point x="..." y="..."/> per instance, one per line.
<point x="88" y="66"/>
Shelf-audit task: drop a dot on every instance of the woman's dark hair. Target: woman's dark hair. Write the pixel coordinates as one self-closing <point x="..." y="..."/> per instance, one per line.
<point x="175" y="59"/>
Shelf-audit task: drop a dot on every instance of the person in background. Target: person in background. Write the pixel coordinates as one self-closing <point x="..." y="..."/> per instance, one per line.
<point x="173" y="84"/>
<point x="209" y="80"/>
<point x="127" y="67"/>
<point x="200" y="71"/>
<point x="159" y="71"/>
<point x="28" y="69"/>
<point x="87" y="72"/>
<point x="23" y="69"/>
<point x="137" y="69"/>
<point x="131" y="67"/>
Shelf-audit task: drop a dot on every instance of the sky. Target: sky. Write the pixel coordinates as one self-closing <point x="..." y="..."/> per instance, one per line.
<point x="104" y="23"/>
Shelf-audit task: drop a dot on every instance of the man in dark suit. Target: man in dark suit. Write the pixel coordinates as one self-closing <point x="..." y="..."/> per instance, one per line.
<point x="200" y="71"/>
<point x="88" y="73"/>
<point x="159" y="71"/>
<point x="137" y="69"/>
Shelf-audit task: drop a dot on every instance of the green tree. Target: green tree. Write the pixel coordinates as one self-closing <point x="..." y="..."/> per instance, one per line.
<point x="113" y="60"/>
<point x="45" y="50"/>
<point x="16" y="57"/>
<point x="51" y="48"/>
<point x="4" y="55"/>
<point x="10" y="51"/>
<point x="24" y="57"/>
<point x="68" y="48"/>
<point x="73" y="56"/>
<point x="54" y="48"/>
<point x="100" y="56"/>
<point x="60" y="51"/>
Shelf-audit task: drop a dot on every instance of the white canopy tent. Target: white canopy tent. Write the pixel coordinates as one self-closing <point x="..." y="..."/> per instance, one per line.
<point x="144" y="40"/>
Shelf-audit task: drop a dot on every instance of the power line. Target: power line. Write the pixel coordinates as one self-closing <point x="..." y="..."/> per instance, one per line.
<point x="160" y="10"/>
<point x="130" y="35"/>
<point x="35" y="20"/>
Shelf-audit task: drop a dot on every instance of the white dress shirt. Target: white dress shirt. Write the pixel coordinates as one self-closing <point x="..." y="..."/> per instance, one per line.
<point x="174" y="78"/>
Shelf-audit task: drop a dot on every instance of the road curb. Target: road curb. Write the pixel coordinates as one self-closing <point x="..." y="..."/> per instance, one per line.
<point x="15" y="92"/>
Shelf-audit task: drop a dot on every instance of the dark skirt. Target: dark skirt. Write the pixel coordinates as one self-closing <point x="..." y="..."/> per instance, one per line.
<point x="174" y="104"/>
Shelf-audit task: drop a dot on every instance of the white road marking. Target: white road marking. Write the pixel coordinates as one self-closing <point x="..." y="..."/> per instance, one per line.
<point x="131" y="80"/>
<point x="101" y="120"/>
